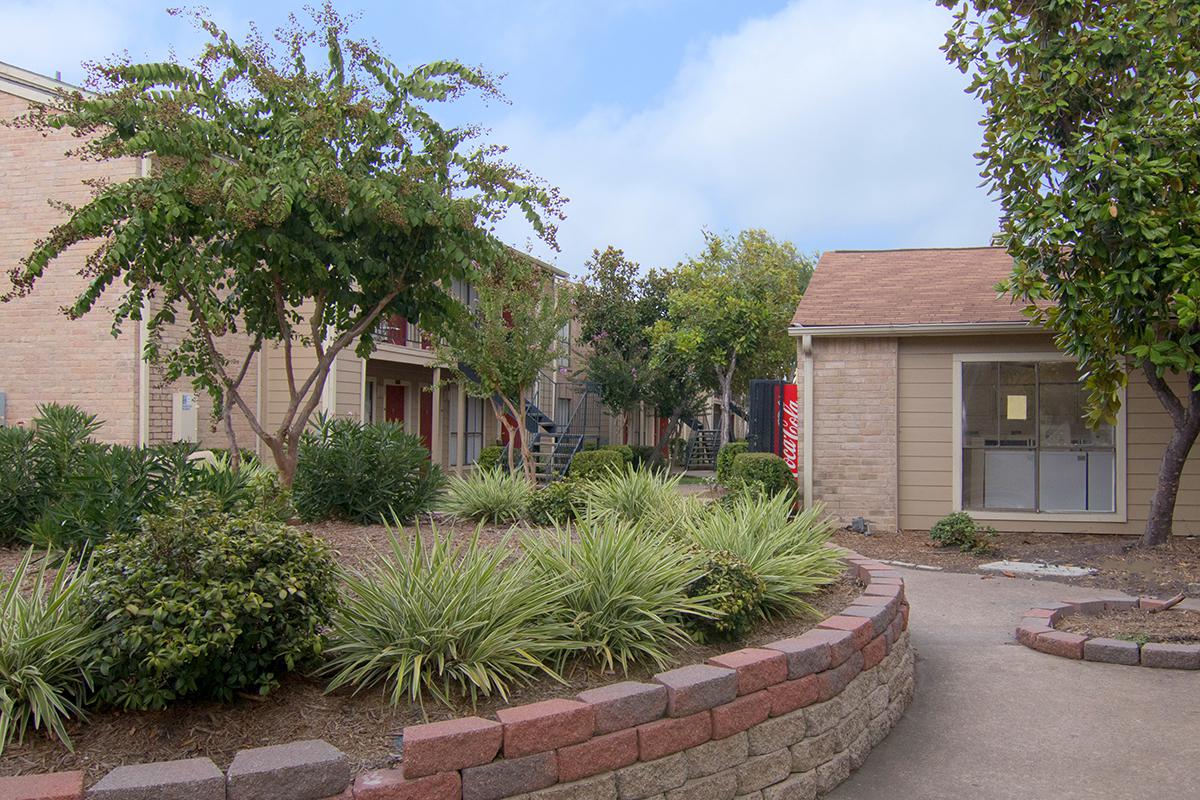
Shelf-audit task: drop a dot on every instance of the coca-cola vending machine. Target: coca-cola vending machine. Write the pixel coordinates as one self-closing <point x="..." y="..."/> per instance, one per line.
<point x="774" y="425"/>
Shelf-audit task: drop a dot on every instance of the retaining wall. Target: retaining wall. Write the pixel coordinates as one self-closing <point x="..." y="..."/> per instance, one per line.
<point x="786" y="721"/>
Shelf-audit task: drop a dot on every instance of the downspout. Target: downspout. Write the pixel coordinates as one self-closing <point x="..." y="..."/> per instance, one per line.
<point x="806" y="351"/>
<point x="143" y="434"/>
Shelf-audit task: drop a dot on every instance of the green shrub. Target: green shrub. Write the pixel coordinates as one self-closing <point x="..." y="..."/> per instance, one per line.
<point x="110" y="489"/>
<point x="623" y="592"/>
<point x="44" y="639"/>
<point x="629" y="495"/>
<point x="643" y="456"/>
<point x="790" y="554"/>
<point x="206" y="604"/>
<point x="21" y="492"/>
<point x="725" y="457"/>
<point x="362" y="473"/>
<point x="759" y="474"/>
<point x="739" y="594"/>
<point x="590" y="464"/>
<point x="623" y="450"/>
<point x="962" y="531"/>
<point x="491" y="457"/>
<point x="451" y="619"/>
<point x="554" y="503"/>
<point x="487" y="496"/>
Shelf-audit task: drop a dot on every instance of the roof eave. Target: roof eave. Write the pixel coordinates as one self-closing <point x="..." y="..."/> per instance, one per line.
<point x="31" y="85"/>
<point x="914" y="329"/>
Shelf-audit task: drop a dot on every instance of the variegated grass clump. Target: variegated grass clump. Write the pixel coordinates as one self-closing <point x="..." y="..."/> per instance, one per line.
<point x="487" y="495"/>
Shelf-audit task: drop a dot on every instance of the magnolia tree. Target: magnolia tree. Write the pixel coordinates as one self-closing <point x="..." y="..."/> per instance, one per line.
<point x="288" y="204"/>
<point x="1092" y="117"/>
<point x="729" y="308"/>
<point x="497" y="349"/>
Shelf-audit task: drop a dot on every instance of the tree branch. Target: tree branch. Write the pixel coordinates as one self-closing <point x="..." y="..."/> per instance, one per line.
<point x="1166" y="395"/>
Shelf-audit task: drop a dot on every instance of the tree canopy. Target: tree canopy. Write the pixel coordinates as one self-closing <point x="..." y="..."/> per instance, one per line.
<point x="729" y="308"/>
<point x="497" y="349"/>
<point x="1089" y="143"/>
<point x="288" y="202"/>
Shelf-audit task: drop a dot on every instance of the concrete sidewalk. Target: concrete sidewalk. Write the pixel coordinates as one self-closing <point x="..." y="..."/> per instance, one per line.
<point x="993" y="719"/>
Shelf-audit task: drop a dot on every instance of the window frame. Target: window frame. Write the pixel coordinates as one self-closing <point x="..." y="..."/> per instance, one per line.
<point x="956" y="444"/>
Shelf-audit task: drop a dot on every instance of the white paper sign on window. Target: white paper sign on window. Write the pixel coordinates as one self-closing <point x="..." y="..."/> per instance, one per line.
<point x="1016" y="407"/>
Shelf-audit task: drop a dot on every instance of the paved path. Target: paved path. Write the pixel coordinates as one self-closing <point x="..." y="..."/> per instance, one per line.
<point x="993" y="719"/>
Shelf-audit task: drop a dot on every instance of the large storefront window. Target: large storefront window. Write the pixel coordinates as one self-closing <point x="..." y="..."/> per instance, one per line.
<point x="1025" y="445"/>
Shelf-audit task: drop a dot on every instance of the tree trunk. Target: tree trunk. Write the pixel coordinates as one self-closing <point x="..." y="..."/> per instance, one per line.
<point x="727" y="398"/>
<point x="235" y="455"/>
<point x="1186" y="420"/>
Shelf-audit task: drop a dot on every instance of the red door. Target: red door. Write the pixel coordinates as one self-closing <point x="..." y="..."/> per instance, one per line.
<point x="393" y="409"/>
<point x="426" y="420"/>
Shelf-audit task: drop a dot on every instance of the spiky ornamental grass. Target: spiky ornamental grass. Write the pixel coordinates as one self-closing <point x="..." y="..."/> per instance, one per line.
<point x="630" y="495"/>
<point x="451" y="619"/>
<point x="44" y="635"/>
<point x="623" y="589"/>
<point x="487" y="495"/>
<point x="790" y="553"/>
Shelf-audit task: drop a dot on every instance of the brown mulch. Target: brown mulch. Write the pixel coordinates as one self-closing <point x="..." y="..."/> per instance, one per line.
<point x="362" y="726"/>
<point x="1181" y="626"/>
<point x="1160" y="571"/>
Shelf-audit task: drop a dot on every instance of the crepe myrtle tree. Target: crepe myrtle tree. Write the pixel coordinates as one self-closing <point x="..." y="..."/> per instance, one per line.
<point x="498" y="348"/>
<point x="729" y="308"/>
<point x="292" y="201"/>
<point x="1090" y="131"/>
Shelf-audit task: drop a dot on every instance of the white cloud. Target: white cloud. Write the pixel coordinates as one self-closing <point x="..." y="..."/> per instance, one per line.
<point x="834" y="124"/>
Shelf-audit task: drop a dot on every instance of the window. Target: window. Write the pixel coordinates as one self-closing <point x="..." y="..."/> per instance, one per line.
<point x="369" y="401"/>
<point x="474" y="425"/>
<point x="1025" y="445"/>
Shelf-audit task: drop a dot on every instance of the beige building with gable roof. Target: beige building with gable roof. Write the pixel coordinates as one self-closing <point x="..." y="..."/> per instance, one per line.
<point x="923" y="392"/>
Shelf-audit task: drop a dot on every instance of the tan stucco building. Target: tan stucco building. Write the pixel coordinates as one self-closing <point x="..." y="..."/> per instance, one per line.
<point x="923" y="392"/>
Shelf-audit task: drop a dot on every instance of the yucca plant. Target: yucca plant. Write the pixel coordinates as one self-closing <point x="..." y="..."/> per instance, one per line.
<point x="630" y="495"/>
<point x="452" y="619"/>
<point x="624" y="590"/>
<point x="487" y="495"/>
<point x="44" y="636"/>
<point x="789" y="553"/>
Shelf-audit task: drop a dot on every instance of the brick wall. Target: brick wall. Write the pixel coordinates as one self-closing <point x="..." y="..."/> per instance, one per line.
<point x="44" y="356"/>
<point x="790" y="719"/>
<point x="854" y="428"/>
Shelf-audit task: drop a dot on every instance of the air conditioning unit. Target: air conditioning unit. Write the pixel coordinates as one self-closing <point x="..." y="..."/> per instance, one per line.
<point x="184" y="418"/>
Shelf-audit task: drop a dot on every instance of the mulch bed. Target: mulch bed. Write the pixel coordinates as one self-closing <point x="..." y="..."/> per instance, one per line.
<point x="1160" y="571"/>
<point x="362" y="726"/>
<point x="1176" y="626"/>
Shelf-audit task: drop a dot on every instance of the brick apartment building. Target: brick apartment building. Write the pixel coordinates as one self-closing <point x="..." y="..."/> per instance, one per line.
<point x="46" y="357"/>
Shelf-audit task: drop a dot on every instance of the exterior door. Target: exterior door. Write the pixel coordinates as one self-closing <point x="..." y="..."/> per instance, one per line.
<point x="394" y="403"/>
<point x="426" y="420"/>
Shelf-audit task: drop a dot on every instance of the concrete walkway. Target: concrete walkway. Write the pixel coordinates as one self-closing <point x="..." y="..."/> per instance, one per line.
<point x="993" y="719"/>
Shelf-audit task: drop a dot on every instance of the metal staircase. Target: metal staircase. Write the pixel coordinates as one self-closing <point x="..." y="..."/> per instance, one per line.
<point x="703" y="444"/>
<point x="552" y="445"/>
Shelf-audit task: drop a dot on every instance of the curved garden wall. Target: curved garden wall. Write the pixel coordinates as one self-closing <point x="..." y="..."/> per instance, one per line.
<point x="787" y="720"/>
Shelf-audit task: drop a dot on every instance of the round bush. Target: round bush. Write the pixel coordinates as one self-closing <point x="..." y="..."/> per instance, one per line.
<point x="491" y="457"/>
<point x="624" y="450"/>
<point x="206" y="604"/>
<point x="643" y="455"/>
<point x="739" y="592"/>
<point x="595" y="464"/>
<point x="553" y="504"/>
<point x="762" y="473"/>
<point x="362" y="473"/>
<point x="960" y="530"/>
<point x="725" y="457"/>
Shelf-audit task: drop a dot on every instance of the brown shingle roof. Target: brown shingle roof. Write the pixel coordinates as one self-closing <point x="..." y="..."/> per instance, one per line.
<point x="908" y="287"/>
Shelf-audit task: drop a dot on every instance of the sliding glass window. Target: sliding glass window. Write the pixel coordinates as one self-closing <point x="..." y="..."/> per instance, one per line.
<point x="1025" y="445"/>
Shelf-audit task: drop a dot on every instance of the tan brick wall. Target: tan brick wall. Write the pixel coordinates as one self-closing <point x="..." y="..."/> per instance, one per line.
<point x="854" y="428"/>
<point x="44" y="356"/>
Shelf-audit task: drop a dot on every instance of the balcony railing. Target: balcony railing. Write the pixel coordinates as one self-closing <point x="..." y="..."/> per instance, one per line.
<point x="402" y="333"/>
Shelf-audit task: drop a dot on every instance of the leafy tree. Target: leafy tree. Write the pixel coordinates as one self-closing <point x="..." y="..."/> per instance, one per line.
<point x="729" y="309"/>
<point x="1090" y="130"/>
<point x="288" y="204"/>
<point x="497" y="349"/>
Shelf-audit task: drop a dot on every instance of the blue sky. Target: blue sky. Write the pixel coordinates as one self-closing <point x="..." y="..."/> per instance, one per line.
<point x="832" y="123"/>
